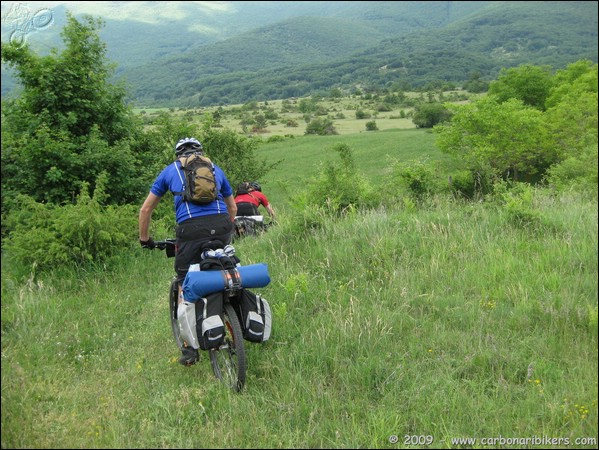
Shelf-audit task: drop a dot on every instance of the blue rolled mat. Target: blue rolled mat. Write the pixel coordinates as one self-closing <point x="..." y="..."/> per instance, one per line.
<point x="201" y="283"/>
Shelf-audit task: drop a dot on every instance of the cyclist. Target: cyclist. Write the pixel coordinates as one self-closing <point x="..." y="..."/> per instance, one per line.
<point x="196" y="224"/>
<point x="249" y="197"/>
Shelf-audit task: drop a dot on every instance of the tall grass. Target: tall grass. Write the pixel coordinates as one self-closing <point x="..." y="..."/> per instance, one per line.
<point x="453" y="321"/>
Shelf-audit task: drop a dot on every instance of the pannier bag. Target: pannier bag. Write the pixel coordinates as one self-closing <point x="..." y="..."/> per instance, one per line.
<point x="209" y="324"/>
<point x="248" y="225"/>
<point x="201" y="283"/>
<point x="186" y="316"/>
<point x="256" y="317"/>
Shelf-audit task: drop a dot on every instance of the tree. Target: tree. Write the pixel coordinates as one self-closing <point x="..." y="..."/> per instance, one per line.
<point x="518" y="140"/>
<point x="578" y="78"/>
<point x="510" y="138"/>
<point x="69" y="124"/>
<point x="236" y="154"/>
<point x="427" y="115"/>
<point x="70" y="91"/>
<point x="321" y="126"/>
<point x="260" y="121"/>
<point x="528" y="83"/>
<point x="308" y="105"/>
<point x="571" y="118"/>
<point x="69" y="128"/>
<point x="371" y="126"/>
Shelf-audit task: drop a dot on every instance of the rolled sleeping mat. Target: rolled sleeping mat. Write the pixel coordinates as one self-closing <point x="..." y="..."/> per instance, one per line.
<point x="201" y="283"/>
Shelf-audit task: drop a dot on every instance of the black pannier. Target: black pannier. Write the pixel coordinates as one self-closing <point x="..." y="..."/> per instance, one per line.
<point x="209" y="324"/>
<point x="256" y="317"/>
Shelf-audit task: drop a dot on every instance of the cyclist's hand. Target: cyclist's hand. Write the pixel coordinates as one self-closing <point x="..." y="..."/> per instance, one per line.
<point x="150" y="244"/>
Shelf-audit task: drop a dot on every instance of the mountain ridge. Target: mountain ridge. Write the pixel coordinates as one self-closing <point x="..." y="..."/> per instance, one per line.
<point x="341" y="45"/>
<point x="490" y="39"/>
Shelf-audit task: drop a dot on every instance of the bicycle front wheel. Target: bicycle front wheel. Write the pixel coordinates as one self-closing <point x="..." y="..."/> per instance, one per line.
<point x="228" y="360"/>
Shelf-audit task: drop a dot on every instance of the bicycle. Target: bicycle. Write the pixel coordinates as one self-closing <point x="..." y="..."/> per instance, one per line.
<point x="250" y="226"/>
<point x="228" y="360"/>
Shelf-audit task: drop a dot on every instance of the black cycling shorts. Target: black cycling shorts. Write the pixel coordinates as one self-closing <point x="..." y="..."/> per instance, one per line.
<point x="192" y="234"/>
<point x="247" y="209"/>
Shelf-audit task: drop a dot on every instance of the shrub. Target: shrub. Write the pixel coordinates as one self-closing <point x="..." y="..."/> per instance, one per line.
<point x="47" y="236"/>
<point x="321" y="126"/>
<point x="577" y="172"/>
<point x="463" y="184"/>
<point x="415" y="177"/>
<point x="371" y="126"/>
<point x="427" y="115"/>
<point x="516" y="200"/>
<point x="338" y="187"/>
<point x="275" y="138"/>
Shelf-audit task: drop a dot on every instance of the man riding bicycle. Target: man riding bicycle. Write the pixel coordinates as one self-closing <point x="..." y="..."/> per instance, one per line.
<point x="249" y="197"/>
<point x="196" y="223"/>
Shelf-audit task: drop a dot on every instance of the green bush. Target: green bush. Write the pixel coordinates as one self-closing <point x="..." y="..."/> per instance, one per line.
<point x="321" y="126"/>
<point x="360" y="114"/>
<point x="516" y="199"/>
<point x="427" y="115"/>
<point x="414" y="177"/>
<point x="577" y="172"/>
<point x="46" y="236"/>
<point x="275" y="138"/>
<point x="371" y="126"/>
<point x="464" y="184"/>
<point x="338" y="187"/>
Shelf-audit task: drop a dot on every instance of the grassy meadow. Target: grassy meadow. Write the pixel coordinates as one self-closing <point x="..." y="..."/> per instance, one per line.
<point x="441" y="324"/>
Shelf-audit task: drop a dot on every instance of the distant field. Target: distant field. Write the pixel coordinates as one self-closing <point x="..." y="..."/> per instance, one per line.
<point x="341" y="111"/>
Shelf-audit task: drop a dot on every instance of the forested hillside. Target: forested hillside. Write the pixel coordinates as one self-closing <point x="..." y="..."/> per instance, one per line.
<point x="139" y="34"/>
<point x="504" y="34"/>
<point x="190" y="55"/>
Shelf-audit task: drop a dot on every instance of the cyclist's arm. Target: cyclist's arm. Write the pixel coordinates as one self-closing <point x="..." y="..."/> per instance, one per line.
<point x="145" y="215"/>
<point x="267" y="205"/>
<point x="231" y="206"/>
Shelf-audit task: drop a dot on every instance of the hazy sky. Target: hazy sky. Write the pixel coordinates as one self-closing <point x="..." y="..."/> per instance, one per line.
<point x="142" y="11"/>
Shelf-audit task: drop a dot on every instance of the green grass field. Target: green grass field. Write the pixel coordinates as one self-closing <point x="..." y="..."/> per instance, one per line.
<point x="436" y="323"/>
<point x="373" y="152"/>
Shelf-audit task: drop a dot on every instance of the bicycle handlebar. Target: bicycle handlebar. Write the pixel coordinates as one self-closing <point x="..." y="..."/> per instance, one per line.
<point x="168" y="245"/>
<point x="161" y="245"/>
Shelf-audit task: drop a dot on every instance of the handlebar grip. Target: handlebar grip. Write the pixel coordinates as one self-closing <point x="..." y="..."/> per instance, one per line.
<point x="168" y="245"/>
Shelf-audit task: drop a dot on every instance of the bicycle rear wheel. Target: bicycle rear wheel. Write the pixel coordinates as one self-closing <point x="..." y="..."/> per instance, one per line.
<point x="228" y="360"/>
<point x="173" y="306"/>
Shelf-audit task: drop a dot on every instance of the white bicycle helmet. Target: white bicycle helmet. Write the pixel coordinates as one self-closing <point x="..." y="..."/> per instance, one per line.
<point x="188" y="144"/>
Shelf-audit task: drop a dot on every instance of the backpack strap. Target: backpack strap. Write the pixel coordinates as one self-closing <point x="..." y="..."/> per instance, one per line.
<point x="179" y="170"/>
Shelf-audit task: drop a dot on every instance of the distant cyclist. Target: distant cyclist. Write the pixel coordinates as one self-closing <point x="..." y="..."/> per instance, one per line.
<point x="196" y="224"/>
<point x="249" y="197"/>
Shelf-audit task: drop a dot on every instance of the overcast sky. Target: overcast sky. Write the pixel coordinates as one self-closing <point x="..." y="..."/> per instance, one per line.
<point x="142" y="11"/>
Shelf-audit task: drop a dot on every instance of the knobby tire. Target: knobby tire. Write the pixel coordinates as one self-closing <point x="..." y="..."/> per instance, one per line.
<point x="228" y="360"/>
